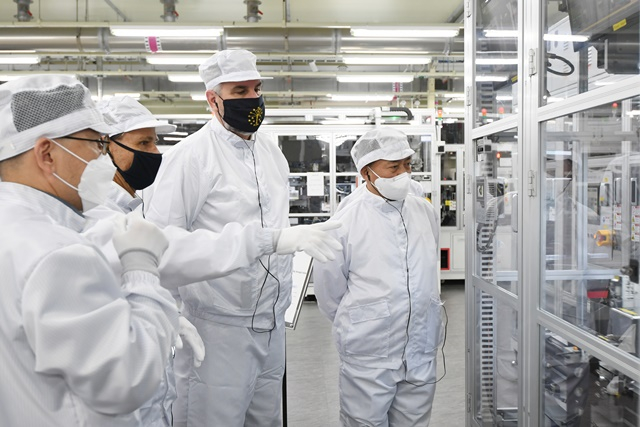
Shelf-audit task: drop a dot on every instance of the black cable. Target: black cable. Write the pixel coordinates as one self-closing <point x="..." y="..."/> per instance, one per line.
<point x="267" y="269"/>
<point x="404" y="350"/>
<point x="562" y="59"/>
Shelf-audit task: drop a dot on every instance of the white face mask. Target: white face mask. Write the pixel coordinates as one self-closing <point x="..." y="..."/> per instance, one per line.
<point x="395" y="188"/>
<point x="95" y="181"/>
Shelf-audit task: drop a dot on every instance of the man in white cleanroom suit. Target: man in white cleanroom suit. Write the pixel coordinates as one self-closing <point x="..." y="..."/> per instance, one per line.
<point x="79" y="346"/>
<point x="133" y="150"/>
<point x="228" y="172"/>
<point x="381" y="292"/>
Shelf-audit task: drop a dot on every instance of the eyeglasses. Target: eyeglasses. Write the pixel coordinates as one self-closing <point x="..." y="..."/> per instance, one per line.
<point x="103" y="146"/>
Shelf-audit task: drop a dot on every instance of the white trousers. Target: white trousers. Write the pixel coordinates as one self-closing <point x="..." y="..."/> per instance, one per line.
<point x="386" y="397"/>
<point x="239" y="383"/>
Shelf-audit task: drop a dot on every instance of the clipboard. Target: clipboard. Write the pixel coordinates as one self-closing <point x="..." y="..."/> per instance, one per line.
<point x="300" y="275"/>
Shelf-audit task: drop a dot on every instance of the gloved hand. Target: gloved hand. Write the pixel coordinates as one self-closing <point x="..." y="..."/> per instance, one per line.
<point x="139" y="243"/>
<point x="192" y="337"/>
<point x="312" y="239"/>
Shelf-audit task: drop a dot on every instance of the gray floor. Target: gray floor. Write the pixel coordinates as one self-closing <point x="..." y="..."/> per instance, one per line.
<point x="312" y="368"/>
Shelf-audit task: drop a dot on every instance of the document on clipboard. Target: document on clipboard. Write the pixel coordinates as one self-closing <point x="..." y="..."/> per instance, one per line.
<point x="301" y="274"/>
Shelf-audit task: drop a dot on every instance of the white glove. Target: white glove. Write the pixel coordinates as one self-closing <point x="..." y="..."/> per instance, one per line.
<point x="192" y="337"/>
<point x="312" y="239"/>
<point x="139" y="243"/>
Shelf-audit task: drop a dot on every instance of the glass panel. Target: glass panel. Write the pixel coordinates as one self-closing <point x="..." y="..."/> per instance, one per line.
<point x="345" y="185"/>
<point x="581" y="391"/>
<point x="592" y="221"/>
<point x="305" y="198"/>
<point x="496" y="60"/>
<point x="306" y="153"/>
<point x="420" y="162"/>
<point x="589" y="43"/>
<point x="496" y="394"/>
<point x="496" y="210"/>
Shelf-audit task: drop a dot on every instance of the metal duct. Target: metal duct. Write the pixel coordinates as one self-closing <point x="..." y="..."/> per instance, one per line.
<point x="257" y="40"/>
<point x="170" y="13"/>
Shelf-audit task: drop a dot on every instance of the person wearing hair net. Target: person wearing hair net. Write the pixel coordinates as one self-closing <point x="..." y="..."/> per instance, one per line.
<point x="79" y="345"/>
<point x="226" y="173"/>
<point x="381" y="293"/>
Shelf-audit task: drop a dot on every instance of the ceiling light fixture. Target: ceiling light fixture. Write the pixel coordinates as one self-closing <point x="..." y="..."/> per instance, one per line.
<point x="363" y="98"/>
<point x="198" y="97"/>
<point x="184" y="78"/>
<point x="504" y="97"/>
<point x="494" y="78"/>
<point x="498" y="34"/>
<point x="565" y="38"/>
<point x="375" y="78"/>
<point x="7" y="78"/>
<point x="439" y="31"/>
<point x="19" y="59"/>
<point x="385" y="60"/>
<point x="164" y="59"/>
<point x="165" y="31"/>
<point x="496" y="61"/>
<point x="133" y="95"/>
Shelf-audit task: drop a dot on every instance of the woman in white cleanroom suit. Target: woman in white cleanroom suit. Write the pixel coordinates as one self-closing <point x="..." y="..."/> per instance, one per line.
<point x="381" y="292"/>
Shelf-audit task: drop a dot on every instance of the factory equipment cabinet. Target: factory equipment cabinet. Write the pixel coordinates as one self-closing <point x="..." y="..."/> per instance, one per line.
<point x="553" y="212"/>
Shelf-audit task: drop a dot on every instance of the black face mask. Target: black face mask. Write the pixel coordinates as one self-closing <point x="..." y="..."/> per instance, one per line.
<point x="143" y="170"/>
<point x="244" y="114"/>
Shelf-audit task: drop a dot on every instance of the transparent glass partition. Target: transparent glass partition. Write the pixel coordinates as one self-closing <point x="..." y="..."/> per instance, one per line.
<point x="592" y="221"/>
<point x="496" y="60"/>
<point x="306" y="153"/>
<point x="495" y="209"/>
<point x="580" y="390"/>
<point x="496" y="394"/>
<point x="588" y="44"/>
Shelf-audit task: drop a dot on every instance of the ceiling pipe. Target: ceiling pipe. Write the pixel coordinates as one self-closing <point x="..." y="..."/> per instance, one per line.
<point x="254" y="14"/>
<point x="24" y="14"/>
<point x="170" y="13"/>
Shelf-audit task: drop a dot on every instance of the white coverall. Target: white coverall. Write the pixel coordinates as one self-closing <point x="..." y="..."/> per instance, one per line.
<point x="386" y="326"/>
<point x="78" y="345"/>
<point x="187" y="258"/>
<point x="207" y="181"/>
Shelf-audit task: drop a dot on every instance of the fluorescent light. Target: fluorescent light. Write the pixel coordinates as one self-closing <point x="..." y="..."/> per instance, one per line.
<point x="633" y="113"/>
<point x="171" y="138"/>
<point x="496" y="61"/>
<point x="452" y="95"/>
<point x="165" y="31"/>
<point x="184" y="78"/>
<point x="501" y="33"/>
<point x="504" y="97"/>
<point x="453" y="110"/>
<point x="373" y="78"/>
<point x="178" y="133"/>
<point x="198" y="97"/>
<point x="405" y="32"/>
<point x="21" y="59"/>
<point x="385" y="60"/>
<point x="7" y="78"/>
<point x="363" y="98"/>
<point x="565" y="38"/>
<point x="495" y="78"/>
<point x="133" y="95"/>
<point x="166" y="59"/>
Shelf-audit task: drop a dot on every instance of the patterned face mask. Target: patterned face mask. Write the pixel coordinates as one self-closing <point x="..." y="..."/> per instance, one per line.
<point x="244" y="114"/>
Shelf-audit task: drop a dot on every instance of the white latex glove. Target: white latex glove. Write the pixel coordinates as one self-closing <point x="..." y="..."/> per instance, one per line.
<point x="192" y="337"/>
<point x="139" y="243"/>
<point x="312" y="239"/>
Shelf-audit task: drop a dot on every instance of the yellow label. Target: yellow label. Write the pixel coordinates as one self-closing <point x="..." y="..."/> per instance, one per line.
<point x="447" y="202"/>
<point x="633" y="313"/>
<point x="619" y="25"/>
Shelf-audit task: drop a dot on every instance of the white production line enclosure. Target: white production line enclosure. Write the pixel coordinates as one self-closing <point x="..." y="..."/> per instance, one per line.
<point x="552" y="143"/>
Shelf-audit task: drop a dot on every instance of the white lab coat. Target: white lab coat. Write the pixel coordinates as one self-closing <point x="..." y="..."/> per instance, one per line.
<point x="206" y="182"/>
<point x="364" y="291"/>
<point x="78" y="345"/>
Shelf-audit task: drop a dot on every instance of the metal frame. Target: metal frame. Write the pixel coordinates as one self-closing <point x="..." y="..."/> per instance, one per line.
<point x="531" y="255"/>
